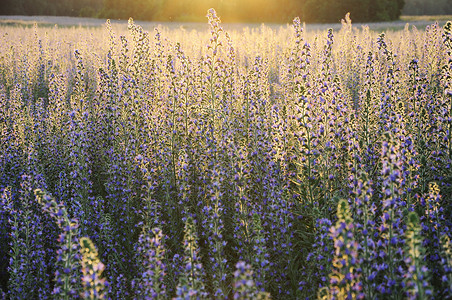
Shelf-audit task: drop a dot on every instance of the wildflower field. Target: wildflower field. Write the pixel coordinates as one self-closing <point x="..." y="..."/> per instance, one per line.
<point x="251" y="164"/>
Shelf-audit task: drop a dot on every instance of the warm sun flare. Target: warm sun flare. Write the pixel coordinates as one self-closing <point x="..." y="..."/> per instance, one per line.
<point x="230" y="11"/>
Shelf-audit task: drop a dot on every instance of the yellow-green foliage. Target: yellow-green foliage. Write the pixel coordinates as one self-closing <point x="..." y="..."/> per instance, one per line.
<point x="433" y="205"/>
<point x="92" y="268"/>
<point x="344" y="278"/>
<point x="417" y="284"/>
<point x="343" y="213"/>
<point x="446" y="244"/>
<point x="447" y="259"/>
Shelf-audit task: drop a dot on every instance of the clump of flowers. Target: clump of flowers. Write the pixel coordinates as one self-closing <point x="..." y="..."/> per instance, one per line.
<point x="446" y="261"/>
<point x="92" y="268"/>
<point x="191" y="282"/>
<point x="67" y="278"/>
<point x="151" y="254"/>
<point x="244" y="285"/>
<point x="344" y="277"/>
<point x="417" y="277"/>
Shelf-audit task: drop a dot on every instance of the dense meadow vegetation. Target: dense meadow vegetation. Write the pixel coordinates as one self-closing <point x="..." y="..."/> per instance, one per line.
<point x="211" y="164"/>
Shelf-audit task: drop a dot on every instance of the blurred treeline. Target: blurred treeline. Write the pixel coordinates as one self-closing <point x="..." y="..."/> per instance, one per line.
<point x="76" y="8"/>
<point x="228" y="10"/>
<point x="427" y="7"/>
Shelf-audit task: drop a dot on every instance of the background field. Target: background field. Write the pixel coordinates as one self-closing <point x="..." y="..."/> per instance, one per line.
<point x="419" y="21"/>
